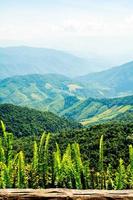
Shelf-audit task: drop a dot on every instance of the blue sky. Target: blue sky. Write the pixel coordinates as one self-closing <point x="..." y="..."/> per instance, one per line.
<point x="86" y="27"/>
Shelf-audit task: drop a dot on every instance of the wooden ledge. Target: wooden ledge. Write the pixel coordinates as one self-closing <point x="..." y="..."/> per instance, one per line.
<point x="65" y="194"/>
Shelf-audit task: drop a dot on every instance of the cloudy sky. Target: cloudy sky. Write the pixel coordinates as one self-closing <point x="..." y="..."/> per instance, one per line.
<point x="85" y="27"/>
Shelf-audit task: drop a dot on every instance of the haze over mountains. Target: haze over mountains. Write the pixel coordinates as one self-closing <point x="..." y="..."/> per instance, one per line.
<point x="24" y="60"/>
<point x="28" y="60"/>
<point x="25" y="82"/>
<point x="114" y="82"/>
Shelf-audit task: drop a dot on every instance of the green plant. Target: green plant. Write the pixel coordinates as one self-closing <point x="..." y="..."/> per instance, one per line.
<point x="61" y="168"/>
<point x="120" y="179"/>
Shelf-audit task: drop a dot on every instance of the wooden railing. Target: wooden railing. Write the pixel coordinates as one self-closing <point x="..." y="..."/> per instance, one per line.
<point x="64" y="194"/>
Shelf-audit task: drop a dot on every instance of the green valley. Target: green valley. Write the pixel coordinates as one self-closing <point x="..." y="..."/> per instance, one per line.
<point x="63" y="96"/>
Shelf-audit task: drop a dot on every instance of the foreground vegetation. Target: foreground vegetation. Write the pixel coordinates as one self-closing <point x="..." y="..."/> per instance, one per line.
<point x="60" y="169"/>
<point x="117" y="137"/>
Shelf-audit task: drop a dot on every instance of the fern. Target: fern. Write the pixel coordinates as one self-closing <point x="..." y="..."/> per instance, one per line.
<point x="42" y="142"/>
<point x="20" y="170"/>
<point x="2" y="152"/>
<point x="9" y="147"/>
<point x="4" y="132"/>
<point x="101" y="154"/>
<point x="67" y="167"/>
<point x="78" y="165"/>
<point x="120" y="176"/>
<point x="35" y="157"/>
<point x="57" y="166"/>
<point x="109" y="178"/>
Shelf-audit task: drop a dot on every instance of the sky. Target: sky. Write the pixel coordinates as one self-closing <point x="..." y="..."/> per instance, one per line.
<point x="97" y="28"/>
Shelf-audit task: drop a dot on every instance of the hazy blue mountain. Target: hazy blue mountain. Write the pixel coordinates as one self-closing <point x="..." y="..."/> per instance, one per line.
<point x="114" y="82"/>
<point x="70" y="97"/>
<point x="28" y="60"/>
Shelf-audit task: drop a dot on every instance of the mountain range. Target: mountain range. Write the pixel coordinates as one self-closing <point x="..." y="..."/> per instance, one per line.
<point x="62" y="96"/>
<point x="30" y="60"/>
<point x="89" y="99"/>
<point x="114" y="82"/>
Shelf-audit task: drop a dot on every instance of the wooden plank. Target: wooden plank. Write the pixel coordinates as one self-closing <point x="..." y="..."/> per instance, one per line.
<point x="65" y="194"/>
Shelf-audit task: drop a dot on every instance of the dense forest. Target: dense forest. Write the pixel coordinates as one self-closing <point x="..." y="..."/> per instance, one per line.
<point x="23" y="121"/>
<point x="55" y="165"/>
<point x="117" y="137"/>
<point x="41" y="150"/>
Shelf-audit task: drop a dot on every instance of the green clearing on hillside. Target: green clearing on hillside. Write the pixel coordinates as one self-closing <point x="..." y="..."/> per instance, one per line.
<point x="94" y="111"/>
<point x="107" y="115"/>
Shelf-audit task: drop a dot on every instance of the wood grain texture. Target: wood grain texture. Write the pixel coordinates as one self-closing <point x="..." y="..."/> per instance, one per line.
<point x="64" y="194"/>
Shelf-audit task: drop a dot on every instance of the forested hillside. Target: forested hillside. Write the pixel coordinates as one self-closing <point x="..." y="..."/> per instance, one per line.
<point x="23" y="121"/>
<point x="44" y="92"/>
<point x="95" y="158"/>
<point x="62" y="96"/>
<point x="118" y="135"/>
<point x="93" y="111"/>
<point x="125" y="117"/>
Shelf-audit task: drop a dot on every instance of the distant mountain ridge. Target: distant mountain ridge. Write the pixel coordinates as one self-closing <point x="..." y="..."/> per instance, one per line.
<point x="114" y="82"/>
<point x="30" y="60"/>
<point x="90" y="99"/>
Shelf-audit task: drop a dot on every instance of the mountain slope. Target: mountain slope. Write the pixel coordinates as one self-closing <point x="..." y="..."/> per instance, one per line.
<point x="44" y="92"/>
<point x="93" y="111"/>
<point x="125" y="117"/>
<point x="114" y="82"/>
<point x="23" y="121"/>
<point x="62" y="96"/>
<point x="28" y="60"/>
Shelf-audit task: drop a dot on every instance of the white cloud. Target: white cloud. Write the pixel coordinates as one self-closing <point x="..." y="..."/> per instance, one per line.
<point x="83" y="25"/>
